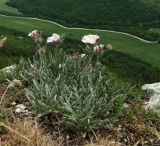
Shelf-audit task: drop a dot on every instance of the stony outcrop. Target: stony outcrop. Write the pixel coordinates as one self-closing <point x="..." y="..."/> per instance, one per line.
<point x="154" y="100"/>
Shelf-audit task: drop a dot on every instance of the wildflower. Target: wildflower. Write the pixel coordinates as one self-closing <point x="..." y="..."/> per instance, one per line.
<point x="109" y="47"/>
<point x="55" y="38"/>
<point x="82" y="56"/>
<point x="15" y="83"/>
<point x="90" y="39"/>
<point x="37" y="35"/>
<point x="34" y="34"/>
<point x="98" y="48"/>
<point x="90" y="67"/>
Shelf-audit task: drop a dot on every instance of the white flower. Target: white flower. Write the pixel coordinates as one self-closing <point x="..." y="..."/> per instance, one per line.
<point x="54" y="38"/>
<point x="82" y="56"/>
<point x="109" y="47"/>
<point x="90" y="39"/>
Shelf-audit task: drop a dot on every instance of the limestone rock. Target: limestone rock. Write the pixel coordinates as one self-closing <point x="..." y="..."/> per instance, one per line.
<point x="154" y="101"/>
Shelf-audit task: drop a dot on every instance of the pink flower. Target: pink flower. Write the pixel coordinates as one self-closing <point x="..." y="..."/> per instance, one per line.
<point x="98" y="48"/>
<point x="90" y="39"/>
<point x="37" y="35"/>
<point x="34" y="34"/>
<point x="90" y="67"/>
<point x="54" y="38"/>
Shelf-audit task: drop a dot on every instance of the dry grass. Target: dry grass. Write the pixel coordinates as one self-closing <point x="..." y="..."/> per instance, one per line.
<point x="105" y="142"/>
<point x="28" y="133"/>
<point x="2" y="42"/>
<point x="2" y="89"/>
<point x="31" y="131"/>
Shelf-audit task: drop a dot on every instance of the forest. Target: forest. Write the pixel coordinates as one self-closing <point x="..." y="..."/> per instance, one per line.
<point x="132" y="16"/>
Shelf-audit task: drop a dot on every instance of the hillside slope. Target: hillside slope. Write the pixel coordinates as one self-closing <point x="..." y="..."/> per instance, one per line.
<point x="134" y="16"/>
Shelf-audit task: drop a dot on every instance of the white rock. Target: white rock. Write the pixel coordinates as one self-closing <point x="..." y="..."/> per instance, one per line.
<point x="154" y="101"/>
<point x="8" y="69"/>
<point x="13" y="103"/>
<point x="155" y="88"/>
<point x="21" y="109"/>
<point x="125" y="105"/>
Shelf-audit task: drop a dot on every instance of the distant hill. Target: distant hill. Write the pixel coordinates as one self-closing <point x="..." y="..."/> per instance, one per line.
<point x="133" y="16"/>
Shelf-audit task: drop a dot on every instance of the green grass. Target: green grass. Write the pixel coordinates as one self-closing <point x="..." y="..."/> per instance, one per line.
<point x="154" y="2"/>
<point x="131" y="46"/>
<point x="132" y="16"/>
<point x="155" y="30"/>
<point x="4" y="8"/>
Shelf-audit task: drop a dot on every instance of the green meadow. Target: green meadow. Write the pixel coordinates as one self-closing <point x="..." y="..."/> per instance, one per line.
<point x="135" y="48"/>
<point x="6" y="9"/>
<point x="155" y="30"/>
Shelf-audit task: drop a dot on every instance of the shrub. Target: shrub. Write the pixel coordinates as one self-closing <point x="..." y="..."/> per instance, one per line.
<point x="63" y="86"/>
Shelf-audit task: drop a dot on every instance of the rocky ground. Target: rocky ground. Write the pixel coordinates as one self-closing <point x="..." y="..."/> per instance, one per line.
<point x="22" y="128"/>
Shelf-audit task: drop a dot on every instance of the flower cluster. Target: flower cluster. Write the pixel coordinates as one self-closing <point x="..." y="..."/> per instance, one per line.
<point x="37" y="35"/>
<point x="90" y="40"/>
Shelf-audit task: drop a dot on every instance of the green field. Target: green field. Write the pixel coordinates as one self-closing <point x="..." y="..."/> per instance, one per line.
<point x="155" y="30"/>
<point x="4" y="8"/>
<point x="138" y="49"/>
<point x="131" y="16"/>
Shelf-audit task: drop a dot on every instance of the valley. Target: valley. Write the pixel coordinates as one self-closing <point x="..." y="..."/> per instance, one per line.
<point x="142" y="50"/>
<point x="6" y="9"/>
<point x="126" y="16"/>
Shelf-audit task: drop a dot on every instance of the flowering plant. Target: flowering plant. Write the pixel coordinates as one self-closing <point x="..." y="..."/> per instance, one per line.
<point x="93" y="48"/>
<point x="72" y="87"/>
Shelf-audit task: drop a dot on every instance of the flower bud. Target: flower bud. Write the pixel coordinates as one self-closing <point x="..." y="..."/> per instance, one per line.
<point x="15" y="83"/>
<point x="90" y="68"/>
